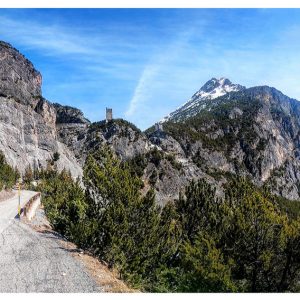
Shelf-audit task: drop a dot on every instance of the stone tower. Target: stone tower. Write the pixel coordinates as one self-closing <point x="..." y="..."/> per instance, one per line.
<point x="109" y="115"/>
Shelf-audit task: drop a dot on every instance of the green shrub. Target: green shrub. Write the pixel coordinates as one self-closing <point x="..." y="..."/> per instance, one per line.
<point x="8" y="175"/>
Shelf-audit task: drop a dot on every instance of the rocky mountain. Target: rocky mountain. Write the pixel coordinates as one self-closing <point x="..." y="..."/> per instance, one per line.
<point x="224" y="130"/>
<point x="28" y="133"/>
<point x="251" y="132"/>
<point x="212" y="89"/>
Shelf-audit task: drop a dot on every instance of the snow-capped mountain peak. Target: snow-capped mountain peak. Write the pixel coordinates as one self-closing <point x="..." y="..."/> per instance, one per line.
<point x="215" y="88"/>
<point x="212" y="89"/>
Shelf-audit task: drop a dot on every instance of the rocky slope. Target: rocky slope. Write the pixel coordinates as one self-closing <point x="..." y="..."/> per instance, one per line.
<point x="252" y="132"/>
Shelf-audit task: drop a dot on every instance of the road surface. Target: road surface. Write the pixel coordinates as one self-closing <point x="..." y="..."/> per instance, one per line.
<point x="36" y="262"/>
<point x="9" y="208"/>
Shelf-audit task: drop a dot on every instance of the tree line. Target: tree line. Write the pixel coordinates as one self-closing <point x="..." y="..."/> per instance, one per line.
<point x="243" y="242"/>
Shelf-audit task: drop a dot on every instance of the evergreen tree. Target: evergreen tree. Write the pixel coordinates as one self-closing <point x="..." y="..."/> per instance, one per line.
<point x="8" y="175"/>
<point x="196" y="209"/>
<point x="204" y="268"/>
<point x="128" y="223"/>
<point x="255" y="237"/>
<point x="64" y="203"/>
<point x="56" y="156"/>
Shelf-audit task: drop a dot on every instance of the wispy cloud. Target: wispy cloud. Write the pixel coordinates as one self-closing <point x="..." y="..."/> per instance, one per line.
<point x="142" y="88"/>
<point x="92" y="46"/>
<point x="50" y="38"/>
<point x="156" y="73"/>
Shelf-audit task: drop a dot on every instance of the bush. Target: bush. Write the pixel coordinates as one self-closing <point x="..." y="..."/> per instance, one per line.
<point x="8" y="175"/>
<point x="64" y="203"/>
<point x="56" y="156"/>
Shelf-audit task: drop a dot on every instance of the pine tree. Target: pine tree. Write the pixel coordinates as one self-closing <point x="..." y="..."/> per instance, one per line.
<point x="195" y="209"/>
<point x="204" y="268"/>
<point x="255" y="238"/>
<point x="128" y="223"/>
<point x="8" y="175"/>
<point x="199" y="243"/>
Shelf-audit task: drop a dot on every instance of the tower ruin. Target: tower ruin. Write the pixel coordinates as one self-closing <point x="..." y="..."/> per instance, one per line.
<point x="109" y="114"/>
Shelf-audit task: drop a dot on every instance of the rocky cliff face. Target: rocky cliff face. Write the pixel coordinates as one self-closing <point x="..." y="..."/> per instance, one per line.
<point x="28" y="133"/>
<point x="19" y="79"/>
<point x="69" y="115"/>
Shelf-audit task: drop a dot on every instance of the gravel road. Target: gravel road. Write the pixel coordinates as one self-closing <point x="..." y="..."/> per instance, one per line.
<point x="36" y="262"/>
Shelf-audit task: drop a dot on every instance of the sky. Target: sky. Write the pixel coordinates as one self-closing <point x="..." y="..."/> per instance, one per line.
<point x="144" y="63"/>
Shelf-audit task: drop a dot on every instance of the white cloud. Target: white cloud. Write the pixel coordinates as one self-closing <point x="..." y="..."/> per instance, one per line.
<point x="142" y="89"/>
<point x="50" y="38"/>
<point x="157" y="73"/>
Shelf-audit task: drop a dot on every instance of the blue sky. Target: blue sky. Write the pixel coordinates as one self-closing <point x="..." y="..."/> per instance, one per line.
<point x="144" y="63"/>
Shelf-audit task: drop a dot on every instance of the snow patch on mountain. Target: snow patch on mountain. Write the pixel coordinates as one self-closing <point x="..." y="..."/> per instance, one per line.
<point x="212" y="89"/>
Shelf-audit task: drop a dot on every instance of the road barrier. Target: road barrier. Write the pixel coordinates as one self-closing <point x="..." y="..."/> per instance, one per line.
<point x="31" y="206"/>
